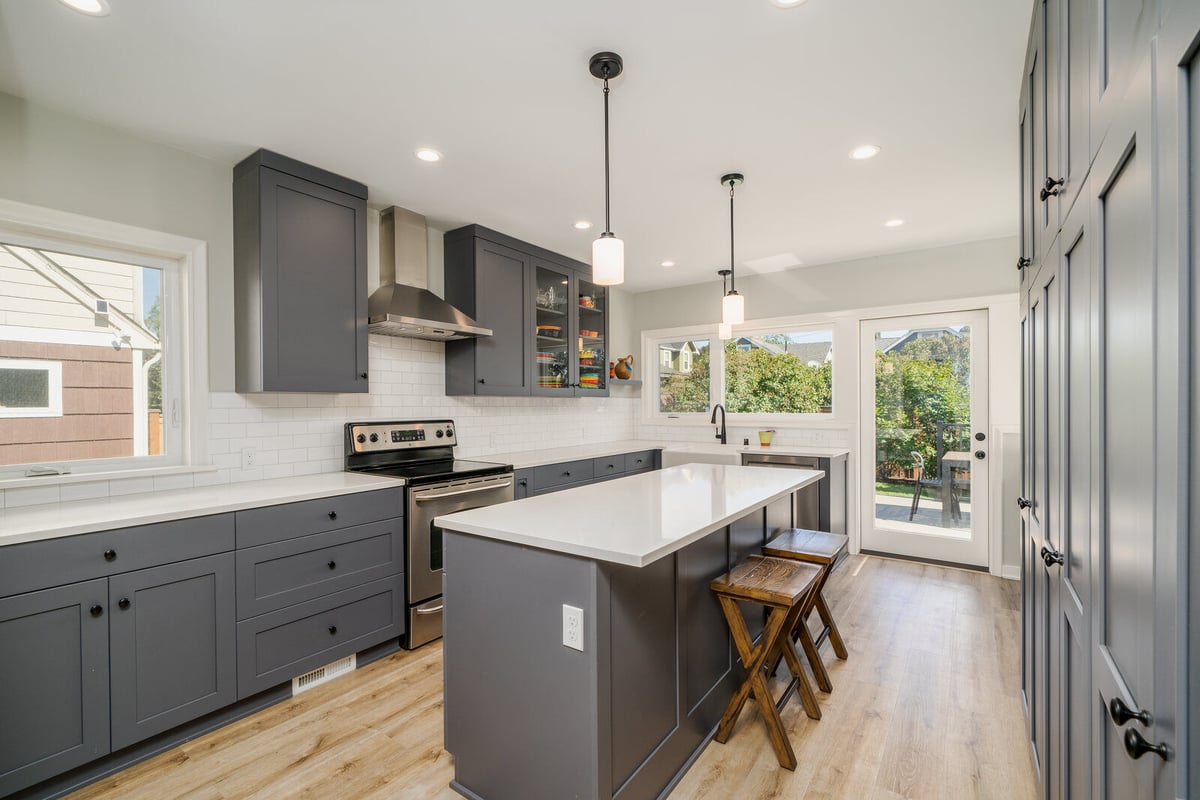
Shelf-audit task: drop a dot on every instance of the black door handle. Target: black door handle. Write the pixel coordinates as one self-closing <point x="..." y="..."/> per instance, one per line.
<point x="123" y="603"/>
<point x="1137" y="746"/>
<point x="1051" y="557"/>
<point x="1051" y="188"/>
<point x="1122" y="713"/>
<point x="96" y="610"/>
<point x="110" y="555"/>
<point x="979" y="454"/>
<point x="1023" y="504"/>
<point x="1022" y="263"/>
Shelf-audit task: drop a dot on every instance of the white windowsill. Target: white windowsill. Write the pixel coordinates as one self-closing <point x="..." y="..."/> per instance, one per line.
<point x="22" y="481"/>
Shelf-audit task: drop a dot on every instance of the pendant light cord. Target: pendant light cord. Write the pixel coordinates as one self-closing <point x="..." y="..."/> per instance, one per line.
<point x="732" y="274"/>
<point x="607" y="221"/>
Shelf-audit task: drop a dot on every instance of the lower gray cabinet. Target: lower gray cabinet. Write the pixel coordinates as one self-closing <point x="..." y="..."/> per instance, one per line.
<point x="53" y="682"/>
<point x="171" y="633"/>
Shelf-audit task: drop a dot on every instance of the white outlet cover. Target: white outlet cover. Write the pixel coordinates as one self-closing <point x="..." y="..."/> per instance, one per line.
<point x="572" y="627"/>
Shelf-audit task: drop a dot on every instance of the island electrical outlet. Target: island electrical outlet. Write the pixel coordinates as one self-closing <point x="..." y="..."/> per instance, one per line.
<point x="573" y="627"/>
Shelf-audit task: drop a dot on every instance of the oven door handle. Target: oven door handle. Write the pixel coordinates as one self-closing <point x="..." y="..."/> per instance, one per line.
<point x="425" y="611"/>
<point x="421" y="498"/>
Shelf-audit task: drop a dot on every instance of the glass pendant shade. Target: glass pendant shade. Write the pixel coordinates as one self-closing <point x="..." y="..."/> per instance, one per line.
<point x="724" y="331"/>
<point x="733" y="309"/>
<point x="608" y="260"/>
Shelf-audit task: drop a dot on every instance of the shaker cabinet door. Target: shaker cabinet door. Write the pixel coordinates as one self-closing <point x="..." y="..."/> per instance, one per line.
<point x="53" y="682"/>
<point x="173" y="658"/>
<point x="501" y="360"/>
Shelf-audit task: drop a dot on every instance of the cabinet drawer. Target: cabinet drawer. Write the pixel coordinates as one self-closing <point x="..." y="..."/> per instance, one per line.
<point x="275" y="523"/>
<point x="273" y="576"/>
<point x="608" y="466"/>
<point x="635" y="462"/>
<point x="67" y="559"/>
<point x="276" y="647"/>
<point x="557" y="474"/>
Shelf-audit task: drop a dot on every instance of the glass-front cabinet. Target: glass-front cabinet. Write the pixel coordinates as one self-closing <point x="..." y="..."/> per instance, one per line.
<point x="570" y="333"/>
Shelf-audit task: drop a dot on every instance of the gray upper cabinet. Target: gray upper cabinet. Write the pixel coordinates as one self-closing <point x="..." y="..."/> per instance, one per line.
<point x="300" y="277"/>
<point x="172" y="645"/>
<point x="53" y="682"/>
<point x="550" y="322"/>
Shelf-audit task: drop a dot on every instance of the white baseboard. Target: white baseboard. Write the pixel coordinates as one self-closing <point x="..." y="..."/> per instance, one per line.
<point x="1011" y="572"/>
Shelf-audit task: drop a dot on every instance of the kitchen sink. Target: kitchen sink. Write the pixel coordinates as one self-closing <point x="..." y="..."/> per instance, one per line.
<point x="675" y="455"/>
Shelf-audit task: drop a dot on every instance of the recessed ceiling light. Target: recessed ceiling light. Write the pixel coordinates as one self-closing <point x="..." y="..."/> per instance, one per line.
<point x="893" y="223"/>
<point x="426" y="153"/>
<point x="582" y="225"/>
<point x="93" y="8"/>
<point x="668" y="264"/>
<point x="865" y="152"/>
<point x="788" y="3"/>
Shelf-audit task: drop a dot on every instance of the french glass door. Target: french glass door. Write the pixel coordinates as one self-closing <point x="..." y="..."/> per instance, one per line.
<point x="925" y="436"/>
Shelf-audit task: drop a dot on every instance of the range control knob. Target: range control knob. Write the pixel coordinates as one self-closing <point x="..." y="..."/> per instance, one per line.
<point x="450" y="431"/>
<point x="374" y="437"/>
<point x="439" y="433"/>
<point x="362" y="437"/>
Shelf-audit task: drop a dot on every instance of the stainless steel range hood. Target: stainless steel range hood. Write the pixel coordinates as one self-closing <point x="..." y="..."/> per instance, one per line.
<point x="403" y="304"/>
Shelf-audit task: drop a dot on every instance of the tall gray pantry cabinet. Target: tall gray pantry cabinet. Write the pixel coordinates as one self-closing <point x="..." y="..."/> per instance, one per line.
<point x="1109" y="130"/>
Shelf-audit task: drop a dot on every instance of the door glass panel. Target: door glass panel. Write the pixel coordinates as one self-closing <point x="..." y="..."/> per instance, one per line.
<point x="551" y="328"/>
<point x="923" y="430"/>
<point x="591" y="348"/>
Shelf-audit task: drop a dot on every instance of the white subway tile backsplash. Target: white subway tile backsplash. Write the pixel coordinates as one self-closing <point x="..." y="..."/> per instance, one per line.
<point x="31" y="496"/>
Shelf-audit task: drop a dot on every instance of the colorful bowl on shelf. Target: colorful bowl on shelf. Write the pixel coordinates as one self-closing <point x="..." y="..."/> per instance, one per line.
<point x="587" y="301"/>
<point x="553" y="331"/>
<point x="550" y="381"/>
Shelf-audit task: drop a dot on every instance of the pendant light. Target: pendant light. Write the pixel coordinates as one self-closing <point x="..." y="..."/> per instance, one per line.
<point x="608" y="252"/>
<point x="733" y="305"/>
<point x="724" y="329"/>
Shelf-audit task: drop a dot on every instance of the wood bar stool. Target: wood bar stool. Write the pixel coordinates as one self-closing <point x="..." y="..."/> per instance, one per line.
<point x="826" y="551"/>
<point x="783" y="587"/>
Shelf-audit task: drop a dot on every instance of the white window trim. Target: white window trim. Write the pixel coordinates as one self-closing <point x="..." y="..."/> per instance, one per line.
<point x="184" y="262"/>
<point x="53" y="369"/>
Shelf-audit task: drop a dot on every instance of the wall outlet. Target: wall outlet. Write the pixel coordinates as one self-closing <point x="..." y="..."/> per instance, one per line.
<point x="249" y="458"/>
<point x="573" y="627"/>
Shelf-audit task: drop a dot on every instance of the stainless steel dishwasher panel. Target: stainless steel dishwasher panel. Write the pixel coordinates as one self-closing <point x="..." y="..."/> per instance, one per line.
<point x="806" y="510"/>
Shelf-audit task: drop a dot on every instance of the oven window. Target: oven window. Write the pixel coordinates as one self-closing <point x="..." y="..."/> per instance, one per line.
<point x="435" y="548"/>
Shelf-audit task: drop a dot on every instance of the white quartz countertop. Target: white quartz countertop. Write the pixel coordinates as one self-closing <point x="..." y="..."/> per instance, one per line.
<point x="524" y="459"/>
<point x="32" y="523"/>
<point x="634" y="520"/>
<point x="535" y="458"/>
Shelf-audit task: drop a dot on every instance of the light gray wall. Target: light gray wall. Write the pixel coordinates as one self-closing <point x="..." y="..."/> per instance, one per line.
<point x="966" y="270"/>
<point x="67" y="163"/>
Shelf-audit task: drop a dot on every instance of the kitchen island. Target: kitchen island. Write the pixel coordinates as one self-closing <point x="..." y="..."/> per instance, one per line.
<point x="625" y="714"/>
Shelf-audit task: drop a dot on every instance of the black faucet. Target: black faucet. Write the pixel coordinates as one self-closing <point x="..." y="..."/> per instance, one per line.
<point x="720" y="428"/>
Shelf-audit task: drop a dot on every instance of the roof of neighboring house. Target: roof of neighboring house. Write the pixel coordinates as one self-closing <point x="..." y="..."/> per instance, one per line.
<point x="923" y="333"/>
<point x="806" y="352"/>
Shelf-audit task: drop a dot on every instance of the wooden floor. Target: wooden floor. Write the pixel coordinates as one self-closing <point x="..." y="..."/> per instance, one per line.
<point x="927" y="706"/>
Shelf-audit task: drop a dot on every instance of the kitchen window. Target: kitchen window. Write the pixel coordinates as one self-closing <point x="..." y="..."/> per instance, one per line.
<point x="778" y="372"/>
<point x="89" y="373"/>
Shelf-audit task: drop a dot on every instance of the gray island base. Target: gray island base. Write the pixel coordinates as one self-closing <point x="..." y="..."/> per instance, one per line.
<point x="527" y="717"/>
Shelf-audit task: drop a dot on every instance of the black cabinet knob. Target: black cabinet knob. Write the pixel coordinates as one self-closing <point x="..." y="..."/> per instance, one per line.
<point x="981" y="455"/>
<point x="1022" y="263"/>
<point x="610" y="466"/>
<point x="333" y="515"/>
<point x="1051" y="188"/>
<point x="566" y="474"/>
<point x="1051" y="557"/>
<point x="332" y="564"/>
<point x="110" y="555"/>
<point x="523" y="482"/>
<point x="123" y="603"/>
<point x="482" y="380"/>
<point x="96" y="610"/>
<point x="1122" y="713"/>
<point x="332" y="630"/>
<point x="1137" y="746"/>
<point x="362" y="375"/>
<point x="1023" y="504"/>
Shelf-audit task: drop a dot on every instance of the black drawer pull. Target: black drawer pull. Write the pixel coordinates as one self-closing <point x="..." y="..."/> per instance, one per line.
<point x="110" y="555"/>
<point x="1137" y="746"/>
<point x="566" y="474"/>
<point x="1022" y="263"/>
<point x="97" y="610"/>
<point x="123" y="603"/>
<point x="332" y="630"/>
<point x="1051" y="557"/>
<point x="332" y="564"/>
<point x="333" y="515"/>
<point x="362" y="375"/>
<point x="611" y="466"/>
<point x="1122" y="713"/>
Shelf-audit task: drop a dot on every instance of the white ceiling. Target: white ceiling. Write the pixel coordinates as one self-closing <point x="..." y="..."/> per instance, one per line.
<point x="502" y="89"/>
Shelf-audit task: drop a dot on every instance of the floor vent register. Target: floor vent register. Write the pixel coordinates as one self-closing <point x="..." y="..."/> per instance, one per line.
<point x="324" y="674"/>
